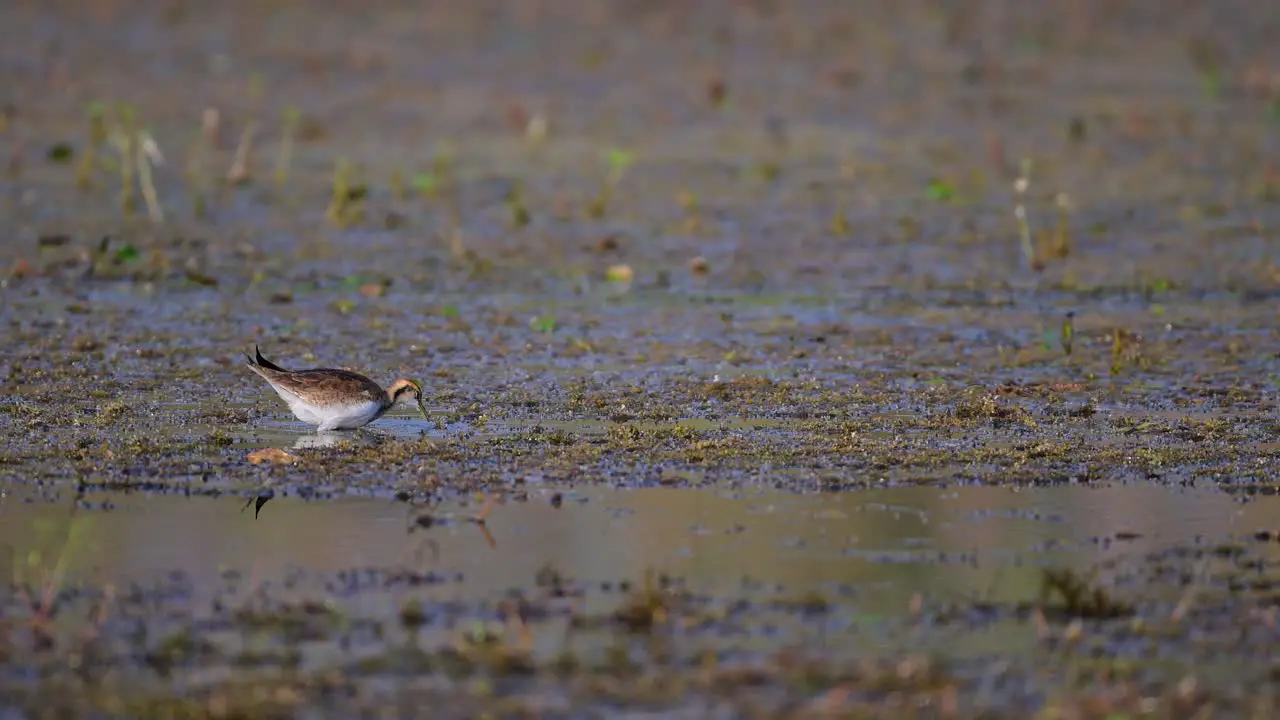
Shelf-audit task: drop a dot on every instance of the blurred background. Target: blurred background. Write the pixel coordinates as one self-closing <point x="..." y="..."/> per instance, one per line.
<point x="768" y="117"/>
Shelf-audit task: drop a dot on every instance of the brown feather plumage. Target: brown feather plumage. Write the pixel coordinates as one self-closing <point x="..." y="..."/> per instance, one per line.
<point x="322" y="386"/>
<point x="333" y="399"/>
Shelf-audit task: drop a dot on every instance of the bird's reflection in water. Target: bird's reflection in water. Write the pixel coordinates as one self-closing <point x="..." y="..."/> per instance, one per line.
<point x="430" y="519"/>
<point x="257" y="502"/>
<point x="312" y="441"/>
<point x="424" y="520"/>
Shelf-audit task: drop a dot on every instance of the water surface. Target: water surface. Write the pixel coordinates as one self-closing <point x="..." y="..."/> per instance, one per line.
<point x="872" y="549"/>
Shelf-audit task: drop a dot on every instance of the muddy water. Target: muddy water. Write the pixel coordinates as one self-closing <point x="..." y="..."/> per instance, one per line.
<point x="563" y="592"/>
<point x="874" y="550"/>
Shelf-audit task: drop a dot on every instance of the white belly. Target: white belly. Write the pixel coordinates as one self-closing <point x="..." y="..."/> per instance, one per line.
<point x="333" y="417"/>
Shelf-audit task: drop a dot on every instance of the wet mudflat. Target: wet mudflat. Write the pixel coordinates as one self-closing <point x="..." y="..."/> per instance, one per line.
<point x="915" y="360"/>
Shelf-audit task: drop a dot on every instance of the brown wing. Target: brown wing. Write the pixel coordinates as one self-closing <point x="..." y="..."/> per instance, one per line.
<point x="321" y="385"/>
<point x="324" y="385"/>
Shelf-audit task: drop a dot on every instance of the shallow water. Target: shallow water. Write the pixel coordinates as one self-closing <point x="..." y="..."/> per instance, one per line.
<point x="938" y="583"/>
<point x="874" y="550"/>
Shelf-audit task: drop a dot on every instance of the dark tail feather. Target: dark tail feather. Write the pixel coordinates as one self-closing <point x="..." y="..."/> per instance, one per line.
<point x="263" y="362"/>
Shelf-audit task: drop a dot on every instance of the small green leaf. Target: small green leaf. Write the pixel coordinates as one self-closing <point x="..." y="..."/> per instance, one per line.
<point x="1213" y="84"/>
<point x="768" y="171"/>
<point x="543" y="323"/>
<point x="519" y="215"/>
<point x="941" y="190"/>
<point x="126" y="253"/>
<point x="620" y="160"/>
<point x="61" y="153"/>
<point x="425" y="183"/>
<point x="450" y="311"/>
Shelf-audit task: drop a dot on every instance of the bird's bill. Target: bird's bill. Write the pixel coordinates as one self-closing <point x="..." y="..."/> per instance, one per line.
<point x="422" y="408"/>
